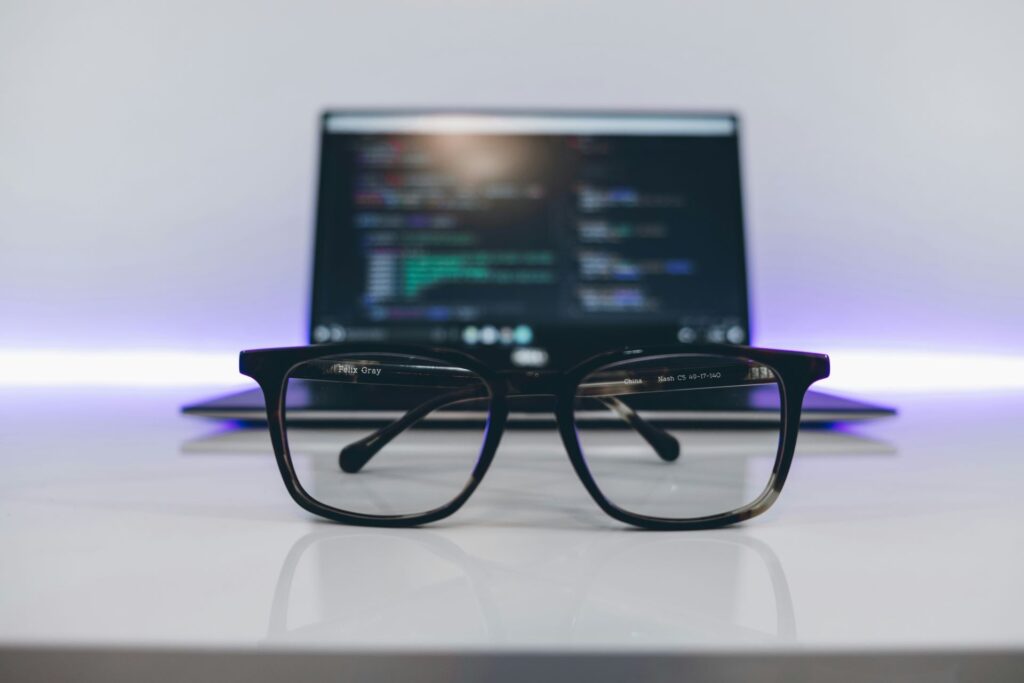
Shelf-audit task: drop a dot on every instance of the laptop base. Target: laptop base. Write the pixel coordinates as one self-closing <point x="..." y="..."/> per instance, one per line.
<point x="818" y="408"/>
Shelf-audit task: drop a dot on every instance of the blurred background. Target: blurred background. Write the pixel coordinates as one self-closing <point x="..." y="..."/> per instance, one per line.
<point x="157" y="161"/>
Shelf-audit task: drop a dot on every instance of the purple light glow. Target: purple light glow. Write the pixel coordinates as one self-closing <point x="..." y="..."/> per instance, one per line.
<point x="878" y="371"/>
<point x="128" y="368"/>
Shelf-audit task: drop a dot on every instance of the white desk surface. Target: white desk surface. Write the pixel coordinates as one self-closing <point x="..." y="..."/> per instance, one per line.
<point x="135" y="541"/>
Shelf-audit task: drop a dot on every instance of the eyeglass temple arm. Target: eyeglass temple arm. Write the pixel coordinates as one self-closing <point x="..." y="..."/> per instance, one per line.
<point x="354" y="456"/>
<point x="618" y="383"/>
<point x="664" y="444"/>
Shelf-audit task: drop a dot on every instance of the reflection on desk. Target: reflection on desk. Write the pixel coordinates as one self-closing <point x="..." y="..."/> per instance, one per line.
<point x="354" y="585"/>
<point x="366" y="586"/>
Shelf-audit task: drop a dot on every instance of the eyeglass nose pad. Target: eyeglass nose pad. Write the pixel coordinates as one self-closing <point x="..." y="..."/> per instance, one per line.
<point x="533" y="383"/>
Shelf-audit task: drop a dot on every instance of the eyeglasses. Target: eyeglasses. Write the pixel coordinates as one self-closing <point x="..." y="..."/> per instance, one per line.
<point x="617" y="413"/>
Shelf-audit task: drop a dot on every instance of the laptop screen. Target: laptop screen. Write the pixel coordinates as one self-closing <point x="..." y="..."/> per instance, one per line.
<point x="529" y="233"/>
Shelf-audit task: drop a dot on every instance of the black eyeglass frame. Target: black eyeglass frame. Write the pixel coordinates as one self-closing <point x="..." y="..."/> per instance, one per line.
<point x="795" y="372"/>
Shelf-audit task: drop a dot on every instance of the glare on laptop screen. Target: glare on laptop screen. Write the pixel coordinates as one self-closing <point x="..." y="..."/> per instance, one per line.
<point x="516" y="229"/>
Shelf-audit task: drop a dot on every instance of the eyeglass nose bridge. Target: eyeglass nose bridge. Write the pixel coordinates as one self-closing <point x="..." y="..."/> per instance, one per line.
<point x="532" y="383"/>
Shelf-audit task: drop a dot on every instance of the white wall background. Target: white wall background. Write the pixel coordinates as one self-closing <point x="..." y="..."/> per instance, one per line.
<point x="157" y="159"/>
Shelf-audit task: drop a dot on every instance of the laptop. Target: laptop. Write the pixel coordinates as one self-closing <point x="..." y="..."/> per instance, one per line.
<point x="531" y="238"/>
